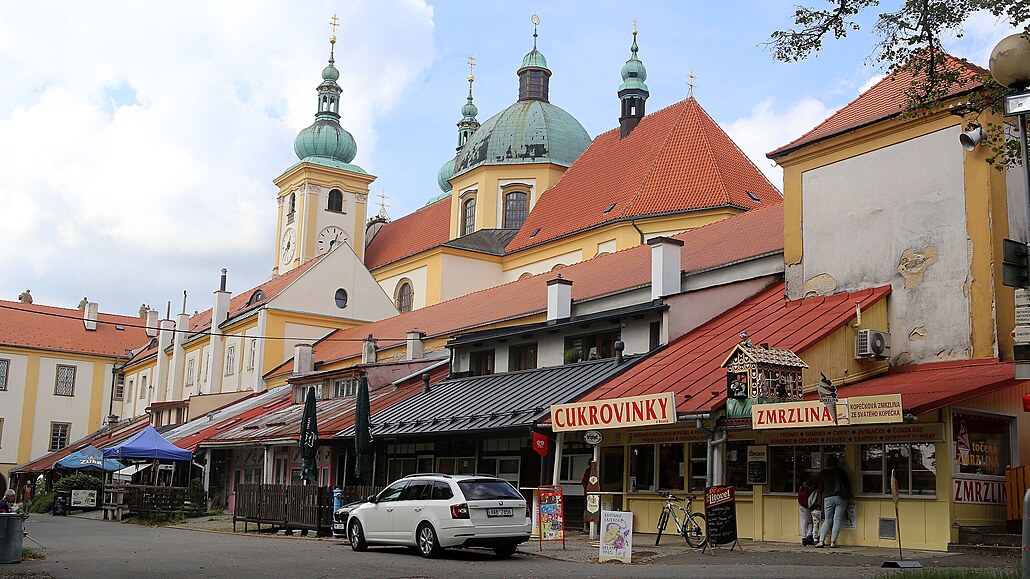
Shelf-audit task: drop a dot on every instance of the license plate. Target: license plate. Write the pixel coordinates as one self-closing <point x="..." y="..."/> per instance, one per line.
<point x="505" y="512"/>
<point x="340" y="527"/>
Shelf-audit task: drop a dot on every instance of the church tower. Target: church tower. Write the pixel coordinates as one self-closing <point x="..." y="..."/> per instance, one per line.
<point x="633" y="92"/>
<point x="466" y="128"/>
<point x="322" y="198"/>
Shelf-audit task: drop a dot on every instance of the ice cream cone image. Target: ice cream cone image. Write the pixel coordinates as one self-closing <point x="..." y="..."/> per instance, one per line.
<point x="962" y="442"/>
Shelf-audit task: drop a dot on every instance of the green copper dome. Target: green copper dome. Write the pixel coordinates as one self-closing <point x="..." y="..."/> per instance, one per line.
<point x="325" y="142"/>
<point x="535" y="59"/>
<point x="633" y="72"/>
<point x="529" y="131"/>
<point x="443" y="177"/>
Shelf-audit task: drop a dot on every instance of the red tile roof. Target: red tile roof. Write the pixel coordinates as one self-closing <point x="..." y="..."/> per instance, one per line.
<point x="677" y="159"/>
<point x="744" y="236"/>
<point x="61" y="329"/>
<point x="192" y="442"/>
<point x="928" y="387"/>
<point x="239" y="304"/>
<point x="885" y="99"/>
<point x="100" y="439"/>
<point x="426" y="228"/>
<point x="691" y="366"/>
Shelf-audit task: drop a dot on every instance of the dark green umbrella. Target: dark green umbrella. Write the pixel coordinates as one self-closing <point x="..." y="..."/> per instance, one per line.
<point x="364" y="450"/>
<point x="309" y="439"/>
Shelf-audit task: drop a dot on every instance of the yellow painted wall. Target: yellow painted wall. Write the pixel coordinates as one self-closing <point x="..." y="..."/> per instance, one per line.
<point x="834" y="355"/>
<point x="486" y="179"/>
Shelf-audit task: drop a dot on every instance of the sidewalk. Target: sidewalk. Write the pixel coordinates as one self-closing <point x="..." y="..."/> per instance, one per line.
<point x="674" y="551"/>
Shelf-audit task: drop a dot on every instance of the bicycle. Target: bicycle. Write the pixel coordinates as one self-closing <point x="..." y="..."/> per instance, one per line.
<point x="693" y="526"/>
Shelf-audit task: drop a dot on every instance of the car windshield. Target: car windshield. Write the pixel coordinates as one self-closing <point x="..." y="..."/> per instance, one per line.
<point x="486" y="489"/>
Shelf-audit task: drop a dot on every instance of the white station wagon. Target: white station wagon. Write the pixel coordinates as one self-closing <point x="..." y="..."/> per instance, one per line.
<point x="436" y="511"/>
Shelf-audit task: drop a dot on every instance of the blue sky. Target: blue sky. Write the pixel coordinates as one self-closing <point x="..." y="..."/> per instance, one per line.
<point x="138" y="142"/>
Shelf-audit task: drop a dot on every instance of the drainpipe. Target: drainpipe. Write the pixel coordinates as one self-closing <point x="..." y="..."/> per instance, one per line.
<point x="716" y="437"/>
<point x="633" y="222"/>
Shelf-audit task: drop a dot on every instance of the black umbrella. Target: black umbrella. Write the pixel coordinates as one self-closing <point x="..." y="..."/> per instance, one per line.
<point x="363" y="435"/>
<point x="309" y="439"/>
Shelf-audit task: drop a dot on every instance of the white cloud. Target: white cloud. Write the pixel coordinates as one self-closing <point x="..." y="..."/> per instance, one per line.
<point x="139" y="141"/>
<point x="769" y="127"/>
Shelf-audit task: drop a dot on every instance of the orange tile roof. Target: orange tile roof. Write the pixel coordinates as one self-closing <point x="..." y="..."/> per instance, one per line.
<point x="743" y="236"/>
<point x="691" y="366"/>
<point x="928" y="387"/>
<point x="885" y="99"/>
<point x="425" y="228"/>
<point x="61" y="329"/>
<point x="240" y="303"/>
<point x="677" y="159"/>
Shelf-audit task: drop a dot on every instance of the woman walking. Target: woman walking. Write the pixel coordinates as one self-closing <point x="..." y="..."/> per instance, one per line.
<point x="836" y="490"/>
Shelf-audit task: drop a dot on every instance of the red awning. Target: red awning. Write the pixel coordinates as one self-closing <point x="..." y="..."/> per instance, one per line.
<point x="928" y="387"/>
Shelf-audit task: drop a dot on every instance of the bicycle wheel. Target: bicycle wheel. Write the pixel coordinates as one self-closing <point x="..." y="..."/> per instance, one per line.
<point x="663" y="520"/>
<point x="694" y="530"/>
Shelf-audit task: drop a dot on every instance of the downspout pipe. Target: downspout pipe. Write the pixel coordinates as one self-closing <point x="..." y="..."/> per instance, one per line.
<point x="716" y="437"/>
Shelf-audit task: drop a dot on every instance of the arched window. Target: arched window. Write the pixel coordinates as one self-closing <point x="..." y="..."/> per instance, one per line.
<point x="335" y="201"/>
<point x="403" y="296"/>
<point x="293" y="203"/>
<point x="468" y="216"/>
<point x="515" y="206"/>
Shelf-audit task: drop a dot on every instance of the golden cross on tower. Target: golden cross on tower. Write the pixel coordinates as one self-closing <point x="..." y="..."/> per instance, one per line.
<point x="382" y="203"/>
<point x="472" y="67"/>
<point x="690" y="84"/>
<point x="634" y="26"/>
<point x="334" y="22"/>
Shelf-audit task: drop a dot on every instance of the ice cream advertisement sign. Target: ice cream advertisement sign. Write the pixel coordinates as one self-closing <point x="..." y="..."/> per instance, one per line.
<point x="814" y="413"/>
<point x="616" y="536"/>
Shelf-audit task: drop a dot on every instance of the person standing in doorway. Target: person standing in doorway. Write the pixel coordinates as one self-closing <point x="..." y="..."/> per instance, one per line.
<point x="836" y="490"/>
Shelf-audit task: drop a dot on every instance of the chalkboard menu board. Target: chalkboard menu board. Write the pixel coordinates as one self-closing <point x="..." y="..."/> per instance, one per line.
<point x="757" y="465"/>
<point x="61" y="504"/>
<point x="721" y="515"/>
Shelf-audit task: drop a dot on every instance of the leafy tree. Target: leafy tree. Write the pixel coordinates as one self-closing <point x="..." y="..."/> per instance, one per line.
<point x="910" y="43"/>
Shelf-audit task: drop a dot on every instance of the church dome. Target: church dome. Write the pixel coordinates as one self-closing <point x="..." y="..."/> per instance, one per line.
<point x="529" y="131"/>
<point x="443" y="177"/>
<point x="325" y="138"/>
<point x="534" y="59"/>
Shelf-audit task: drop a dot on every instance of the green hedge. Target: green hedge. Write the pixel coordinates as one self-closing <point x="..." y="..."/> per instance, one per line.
<point x="79" y="482"/>
<point x="43" y="503"/>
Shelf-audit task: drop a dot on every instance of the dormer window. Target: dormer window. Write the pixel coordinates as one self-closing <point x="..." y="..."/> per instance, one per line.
<point x="256" y="297"/>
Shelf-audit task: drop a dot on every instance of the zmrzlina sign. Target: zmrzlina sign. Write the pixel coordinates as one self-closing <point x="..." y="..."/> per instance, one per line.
<point x="615" y="413"/>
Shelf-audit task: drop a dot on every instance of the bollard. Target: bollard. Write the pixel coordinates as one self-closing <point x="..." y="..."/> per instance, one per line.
<point x="1026" y="535"/>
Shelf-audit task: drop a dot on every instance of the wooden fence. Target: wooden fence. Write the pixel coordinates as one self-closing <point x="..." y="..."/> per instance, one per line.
<point x="291" y="507"/>
<point x="1017" y="481"/>
<point x="153" y="502"/>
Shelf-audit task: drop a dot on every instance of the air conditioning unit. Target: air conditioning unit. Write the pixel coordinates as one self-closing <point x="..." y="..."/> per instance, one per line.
<point x="872" y="344"/>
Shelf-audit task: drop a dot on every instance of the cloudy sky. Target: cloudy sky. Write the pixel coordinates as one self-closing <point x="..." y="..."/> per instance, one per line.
<point x="138" y="141"/>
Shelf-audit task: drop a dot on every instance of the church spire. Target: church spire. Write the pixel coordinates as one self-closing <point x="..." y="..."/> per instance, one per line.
<point x="534" y="75"/>
<point x="633" y="92"/>
<point x="468" y="123"/>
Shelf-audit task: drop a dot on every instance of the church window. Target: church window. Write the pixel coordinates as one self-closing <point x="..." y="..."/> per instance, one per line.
<point x="341" y="298"/>
<point x="5" y="366"/>
<point x="65" y="382"/>
<point x="335" y="201"/>
<point x="515" y="206"/>
<point x="292" y="208"/>
<point x="404" y="296"/>
<point x="468" y="216"/>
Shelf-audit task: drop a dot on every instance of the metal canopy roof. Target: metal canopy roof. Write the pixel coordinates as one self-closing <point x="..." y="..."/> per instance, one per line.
<point x="496" y="401"/>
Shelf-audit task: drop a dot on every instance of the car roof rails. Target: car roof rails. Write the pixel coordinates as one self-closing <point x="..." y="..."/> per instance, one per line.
<point x="427" y="474"/>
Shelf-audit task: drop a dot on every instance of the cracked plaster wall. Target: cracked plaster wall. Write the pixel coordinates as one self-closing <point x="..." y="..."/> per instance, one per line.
<point x="895" y="215"/>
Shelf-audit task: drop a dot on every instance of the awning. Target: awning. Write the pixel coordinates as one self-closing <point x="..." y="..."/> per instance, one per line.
<point x="133" y="469"/>
<point x="928" y="387"/>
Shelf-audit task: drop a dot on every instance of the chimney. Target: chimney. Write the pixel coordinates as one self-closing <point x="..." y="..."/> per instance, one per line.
<point x="303" y="359"/>
<point x="559" y="299"/>
<point x="416" y="347"/>
<point x="89" y="316"/>
<point x="219" y="313"/>
<point x="665" y="266"/>
<point x="153" y="325"/>
<point x="425" y="382"/>
<point x="368" y="350"/>
<point x="164" y="340"/>
<point x="619" y="347"/>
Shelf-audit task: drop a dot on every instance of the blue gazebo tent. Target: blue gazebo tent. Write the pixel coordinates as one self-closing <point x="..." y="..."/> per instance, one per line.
<point x="89" y="459"/>
<point x="148" y="444"/>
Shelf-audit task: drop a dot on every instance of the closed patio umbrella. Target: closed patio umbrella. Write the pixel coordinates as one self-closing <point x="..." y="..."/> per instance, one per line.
<point x="363" y="435"/>
<point x="309" y="439"/>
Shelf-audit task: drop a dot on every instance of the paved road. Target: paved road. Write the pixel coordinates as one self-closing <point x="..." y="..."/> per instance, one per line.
<point x="82" y="548"/>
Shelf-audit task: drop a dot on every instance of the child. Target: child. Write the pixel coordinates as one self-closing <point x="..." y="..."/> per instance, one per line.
<point x="805" y="524"/>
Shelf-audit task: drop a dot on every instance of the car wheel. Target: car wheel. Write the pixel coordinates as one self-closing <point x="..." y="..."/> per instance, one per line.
<point x="356" y="536"/>
<point x="504" y="551"/>
<point x="428" y="546"/>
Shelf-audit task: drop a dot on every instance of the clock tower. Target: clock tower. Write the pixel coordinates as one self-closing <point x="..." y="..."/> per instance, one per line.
<point x="322" y="198"/>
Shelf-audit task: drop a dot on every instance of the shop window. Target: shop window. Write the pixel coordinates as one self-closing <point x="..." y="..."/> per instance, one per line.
<point x="522" y="357"/>
<point x="736" y="465"/>
<point x="790" y="465"/>
<point x="612" y="463"/>
<point x="914" y="465"/>
<point x="698" y="466"/>
<point x="981" y="444"/>
<point x="481" y="363"/>
<point x="401" y="467"/>
<point x="506" y="467"/>
<point x="457" y="465"/>
<point x="641" y="468"/>
<point x="670" y="467"/>
<point x="595" y="346"/>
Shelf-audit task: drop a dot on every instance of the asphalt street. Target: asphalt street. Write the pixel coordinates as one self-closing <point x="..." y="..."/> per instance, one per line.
<point x="79" y="548"/>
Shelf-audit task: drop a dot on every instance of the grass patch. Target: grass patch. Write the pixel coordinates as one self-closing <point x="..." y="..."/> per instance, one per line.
<point x="30" y="555"/>
<point x="952" y="574"/>
<point x="158" y="520"/>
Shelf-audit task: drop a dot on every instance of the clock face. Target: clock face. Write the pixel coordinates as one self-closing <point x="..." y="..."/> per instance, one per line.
<point x="288" y="245"/>
<point x="329" y="237"/>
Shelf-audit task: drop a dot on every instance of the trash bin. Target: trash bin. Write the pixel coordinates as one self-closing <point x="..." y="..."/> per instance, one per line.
<point x="12" y="535"/>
